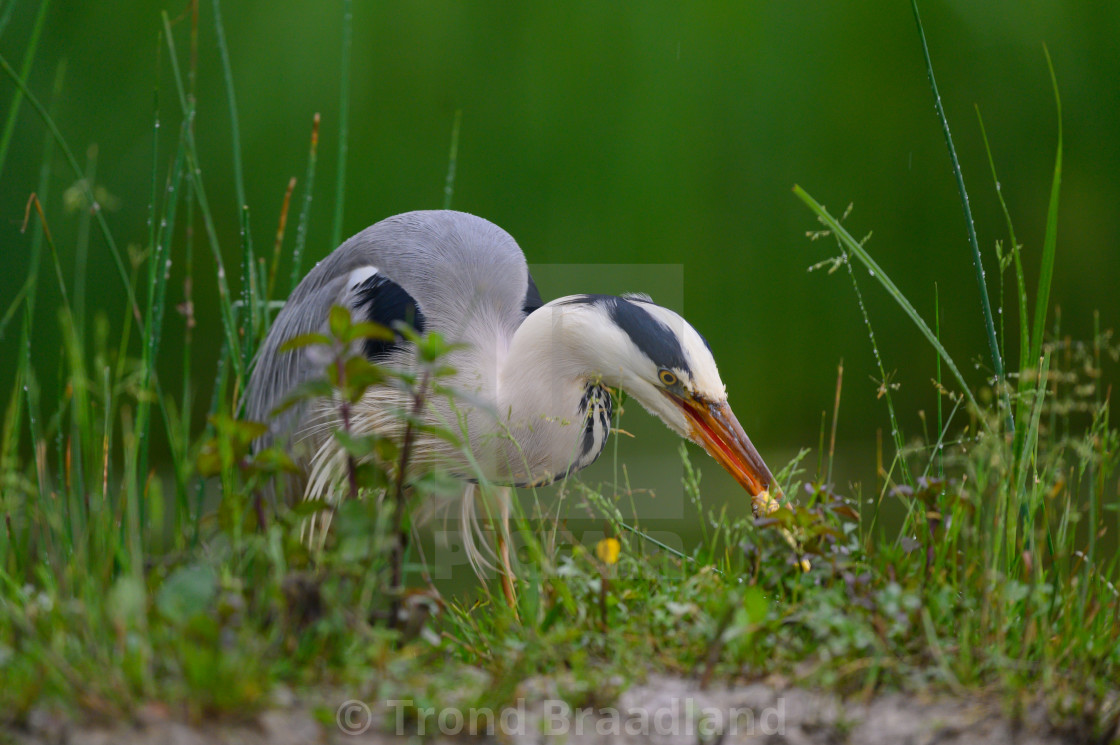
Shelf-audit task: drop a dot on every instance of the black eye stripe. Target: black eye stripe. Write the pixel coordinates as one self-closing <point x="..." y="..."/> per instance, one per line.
<point x="652" y="337"/>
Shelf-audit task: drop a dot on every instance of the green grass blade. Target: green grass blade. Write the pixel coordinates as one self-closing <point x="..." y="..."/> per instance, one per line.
<point x="81" y="248"/>
<point x="7" y="15"/>
<point x="452" y="161"/>
<point x="977" y="260"/>
<point x="9" y="441"/>
<point x="157" y="296"/>
<point x="153" y="195"/>
<point x="852" y="245"/>
<point x="231" y="101"/>
<point x="896" y="429"/>
<point x="1024" y="384"/>
<point x="24" y="71"/>
<point x="940" y="423"/>
<point x="343" y="121"/>
<point x="81" y="435"/>
<point x="17" y="301"/>
<point x="1049" y="244"/>
<point x="250" y="306"/>
<point x="99" y="214"/>
<point x="34" y="417"/>
<point x="305" y="210"/>
<point x="1019" y="508"/>
<point x="225" y="302"/>
<point x="248" y="262"/>
<point x="43" y="189"/>
<point x="1021" y="288"/>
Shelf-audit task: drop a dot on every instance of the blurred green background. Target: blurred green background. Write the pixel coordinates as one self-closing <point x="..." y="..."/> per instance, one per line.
<point x="622" y="133"/>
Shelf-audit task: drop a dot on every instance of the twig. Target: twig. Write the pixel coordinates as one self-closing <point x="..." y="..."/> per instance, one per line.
<point x="398" y="514"/>
<point x="835" y="416"/>
<point x="279" y="237"/>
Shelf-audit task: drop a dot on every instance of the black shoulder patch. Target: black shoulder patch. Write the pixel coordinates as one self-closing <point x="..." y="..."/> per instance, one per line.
<point x="532" y="297"/>
<point x="381" y="300"/>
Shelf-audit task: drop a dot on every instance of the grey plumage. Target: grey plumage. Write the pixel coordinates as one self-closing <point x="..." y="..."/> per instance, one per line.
<point x="467" y="275"/>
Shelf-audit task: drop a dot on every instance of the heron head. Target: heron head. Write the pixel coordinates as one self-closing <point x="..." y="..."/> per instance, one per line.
<point x="658" y="358"/>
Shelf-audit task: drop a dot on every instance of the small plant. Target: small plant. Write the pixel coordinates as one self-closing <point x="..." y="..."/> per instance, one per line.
<point x="376" y="465"/>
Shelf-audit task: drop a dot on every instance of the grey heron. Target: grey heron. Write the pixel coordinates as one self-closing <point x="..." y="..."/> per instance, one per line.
<point x="534" y="375"/>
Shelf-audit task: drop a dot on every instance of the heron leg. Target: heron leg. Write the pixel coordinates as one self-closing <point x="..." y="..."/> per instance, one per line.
<point x="508" y="577"/>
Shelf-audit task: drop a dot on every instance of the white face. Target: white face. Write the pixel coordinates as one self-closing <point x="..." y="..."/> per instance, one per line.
<point x="645" y="349"/>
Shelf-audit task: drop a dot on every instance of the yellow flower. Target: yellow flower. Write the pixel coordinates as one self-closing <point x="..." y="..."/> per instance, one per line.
<point x="607" y="550"/>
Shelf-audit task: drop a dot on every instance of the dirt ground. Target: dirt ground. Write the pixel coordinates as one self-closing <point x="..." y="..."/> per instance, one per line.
<point x="663" y="710"/>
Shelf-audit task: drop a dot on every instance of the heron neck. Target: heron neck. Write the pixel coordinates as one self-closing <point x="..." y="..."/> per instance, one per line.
<point x="546" y="391"/>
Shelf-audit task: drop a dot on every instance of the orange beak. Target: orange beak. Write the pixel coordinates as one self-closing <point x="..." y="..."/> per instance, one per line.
<point x="715" y="428"/>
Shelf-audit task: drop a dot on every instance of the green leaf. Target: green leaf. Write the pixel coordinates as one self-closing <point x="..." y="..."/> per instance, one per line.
<point x="432" y="346"/>
<point x="358" y="446"/>
<point x="309" y="507"/>
<point x="783" y="517"/>
<point x="305" y="391"/>
<point x="274" y="460"/>
<point x="187" y="592"/>
<point x="1049" y="243"/>
<point x="370" y="330"/>
<point x="230" y="443"/>
<point x="305" y="340"/>
<point x="407" y="332"/>
<point x="385" y="450"/>
<point x="125" y="602"/>
<point x="361" y="374"/>
<point x="755" y="604"/>
<point x="357" y="518"/>
<point x="340" y="322"/>
<point x="209" y="460"/>
<point x="444" y="434"/>
<point x="370" y="475"/>
<point x="241" y="432"/>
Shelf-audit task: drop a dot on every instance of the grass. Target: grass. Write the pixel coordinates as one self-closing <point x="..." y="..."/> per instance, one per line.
<point x="119" y="587"/>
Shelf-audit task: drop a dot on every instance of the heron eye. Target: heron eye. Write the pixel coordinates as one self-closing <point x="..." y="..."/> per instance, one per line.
<point x="667" y="378"/>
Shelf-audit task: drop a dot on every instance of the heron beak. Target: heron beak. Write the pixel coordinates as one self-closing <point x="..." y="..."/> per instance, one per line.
<point x="715" y="428"/>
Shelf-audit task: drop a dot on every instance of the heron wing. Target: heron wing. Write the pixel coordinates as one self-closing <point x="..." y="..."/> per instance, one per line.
<point x="455" y="273"/>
